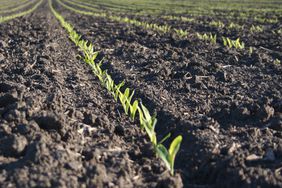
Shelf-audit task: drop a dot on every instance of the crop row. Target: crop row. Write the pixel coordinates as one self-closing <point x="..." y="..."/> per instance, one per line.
<point x="234" y="26"/>
<point x="13" y="16"/>
<point x="183" y="5"/>
<point x="238" y="17"/>
<point x="218" y="24"/>
<point x="17" y="8"/>
<point x="161" y="28"/>
<point x="124" y="96"/>
<point x="260" y="18"/>
<point x="10" y="4"/>
<point x="158" y="8"/>
<point x="208" y="37"/>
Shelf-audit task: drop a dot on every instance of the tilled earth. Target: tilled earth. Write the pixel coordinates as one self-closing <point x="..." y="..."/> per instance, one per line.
<point x="225" y="103"/>
<point x="59" y="127"/>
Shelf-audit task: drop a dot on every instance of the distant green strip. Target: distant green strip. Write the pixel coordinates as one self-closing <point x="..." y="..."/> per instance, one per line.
<point x="17" y="7"/>
<point x="9" y="4"/>
<point x="7" y="18"/>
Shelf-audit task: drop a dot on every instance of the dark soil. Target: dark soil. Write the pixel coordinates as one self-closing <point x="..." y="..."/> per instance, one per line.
<point x="225" y="103"/>
<point x="60" y="128"/>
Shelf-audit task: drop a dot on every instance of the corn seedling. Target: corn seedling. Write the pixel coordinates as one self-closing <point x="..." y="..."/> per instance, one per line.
<point x="181" y="33"/>
<point x="277" y="62"/>
<point x="146" y="121"/>
<point x="109" y="83"/>
<point x="217" y="24"/>
<point x="235" y="26"/>
<point x="207" y="37"/>
<point x="125" y="99"/>
<point x="168" y="156"/>
<point x="233" y="43"/>
<point x="116" y="90"/>
<point x="266" y="20"/>
<point x="185" y="19"/>
<point x="133" y="109"/>
<point x="256" y="29"/>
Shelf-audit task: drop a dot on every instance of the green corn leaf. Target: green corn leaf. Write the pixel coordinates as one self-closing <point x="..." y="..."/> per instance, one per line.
<point x="164" y="155"/>
<point x="153" y="121"/>
<point x="141" y="118"/>
<point x="104" y="76"/>
<point x="238" y="42"/>
<point x="242" y="45"/>
<point x="165" y="138"/>
<point x="100" y="77"/>
<point x="173" y="149"/>
<point x="128" y="101"/>
<point x="117" y="90"/>
<point x="151" y="133"/>
<point x="100" y="63"/>
<point x="109" y="83"/>
<point x="99" y="70"/>
<point x="133" y="109"/>
<point x="224" y="41"/>
<point x="122" y="100"/>
<point x="229" y="43"/>
<point x="94" y="56"/>
<point x="146" y="113"/>
<point x="84" y="47"/>
<point x="126" y="92"/>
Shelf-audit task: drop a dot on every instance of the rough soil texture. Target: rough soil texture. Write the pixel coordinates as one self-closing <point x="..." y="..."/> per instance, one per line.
<point x="225" y="103"/>
<point x="58" y="126"/>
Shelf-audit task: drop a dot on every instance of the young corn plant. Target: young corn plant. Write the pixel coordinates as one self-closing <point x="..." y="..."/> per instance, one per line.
<point x="207" y="37"/>
<point x="147" y="122"/>
<point x="227" y="42"/>
<point x="125" y="99"/>
<point x="109" y="83"/>
<point x="168" y="156"/>
<point x="277" y="62"/>
<point x="185" y="19"/>
<point x="116" y="90"/>
<point x="181" y="33"/>
<point x="238" y="45"/>
<point x="213" y="38"/>
<point x="133" y="109"/>
<point x="234" y="26"/>
<point x="233" y="43"/>
<point x="256" y="29"/>
<point x="217" y="24"/>
<point x="202" y="36"/>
